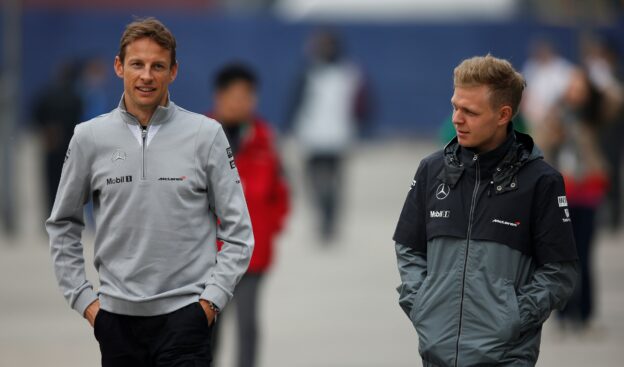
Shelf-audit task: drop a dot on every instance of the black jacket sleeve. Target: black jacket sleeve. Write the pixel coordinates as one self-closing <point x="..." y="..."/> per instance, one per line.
<point x="552" y="237"/>
<point x="411" y="229"/>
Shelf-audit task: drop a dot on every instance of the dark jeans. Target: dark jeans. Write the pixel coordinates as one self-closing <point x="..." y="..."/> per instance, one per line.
<point x="245" y="302"/>
<point x="324" y="175"/>
<point x="581" y="304"/>
<point x="178" y="339"/>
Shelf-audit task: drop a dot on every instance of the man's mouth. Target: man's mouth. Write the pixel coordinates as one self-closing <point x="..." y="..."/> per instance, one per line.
<point x="146" y="89"/>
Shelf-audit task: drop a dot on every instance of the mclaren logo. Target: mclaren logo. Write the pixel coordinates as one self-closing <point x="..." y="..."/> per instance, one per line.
<point x="118" y="155"/>
<point x="181" y="178"/>
<point x="442" y="191"/>
<point x="515" y="224"/>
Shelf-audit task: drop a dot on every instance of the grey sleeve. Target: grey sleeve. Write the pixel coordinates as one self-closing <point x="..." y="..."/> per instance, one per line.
<point x="550" y="288"/>
<point x="228" y="203"/>
<point x="65" y="227"/>
<point x="413" y="270"/>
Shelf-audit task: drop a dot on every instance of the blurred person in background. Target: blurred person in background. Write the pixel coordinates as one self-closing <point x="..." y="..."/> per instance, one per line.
<point x="573" y="126"/>
<point x="602" y="61"/>
<point x="57" y="110"/>
<point x="266" y="191"/>
<point x="160" y="176"/>
<point x="485" y="249"/>
<point x="92" y="89"/>
<point x="329" y="102"/>
<point x="547" y="75"/>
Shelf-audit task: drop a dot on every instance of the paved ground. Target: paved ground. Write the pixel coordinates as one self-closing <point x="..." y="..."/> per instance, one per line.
<point x="333" y="306"/>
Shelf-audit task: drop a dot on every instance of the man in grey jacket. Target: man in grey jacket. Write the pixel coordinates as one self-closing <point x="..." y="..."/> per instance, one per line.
<point x="484" y="242"/>
<point x="164" y="188"/>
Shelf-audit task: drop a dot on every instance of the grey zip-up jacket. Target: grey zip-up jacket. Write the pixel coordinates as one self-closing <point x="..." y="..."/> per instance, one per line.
<point x="161" y="198"/>
<point x="485" y="252"/>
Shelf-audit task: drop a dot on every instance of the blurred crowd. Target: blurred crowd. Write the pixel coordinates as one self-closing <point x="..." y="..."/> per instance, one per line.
<point x="575" y="113"/>
<point x="573" y="109"/>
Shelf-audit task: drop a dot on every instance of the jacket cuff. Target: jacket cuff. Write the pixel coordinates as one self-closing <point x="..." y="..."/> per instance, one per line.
<point x="83" y="301"/>
<point x="215" y="295"/>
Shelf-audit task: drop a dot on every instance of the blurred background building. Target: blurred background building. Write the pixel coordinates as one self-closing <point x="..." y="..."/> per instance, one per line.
<point x="405" y="49"/>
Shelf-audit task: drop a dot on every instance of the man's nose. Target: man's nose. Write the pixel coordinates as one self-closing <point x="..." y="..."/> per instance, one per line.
<point x="457" y="117"/>
<point x="146" y="74"/>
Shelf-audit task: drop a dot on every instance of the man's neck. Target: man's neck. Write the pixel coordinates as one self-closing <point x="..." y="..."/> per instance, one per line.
<point x="143" y="115"/>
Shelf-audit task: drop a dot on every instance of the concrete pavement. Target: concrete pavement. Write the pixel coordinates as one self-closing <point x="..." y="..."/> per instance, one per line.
<point x="331" y="306"/>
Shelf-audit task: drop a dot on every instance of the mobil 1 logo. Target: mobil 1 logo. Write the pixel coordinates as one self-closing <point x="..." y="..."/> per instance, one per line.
<point x="118" y="180"/>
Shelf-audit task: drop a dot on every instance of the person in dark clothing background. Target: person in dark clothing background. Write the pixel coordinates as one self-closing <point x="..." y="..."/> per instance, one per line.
<point x="266" y="192"/>
<point x="57" y="110"/>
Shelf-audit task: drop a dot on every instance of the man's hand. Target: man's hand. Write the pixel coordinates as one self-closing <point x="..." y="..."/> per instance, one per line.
<point x="210" y="314"/>
<point x="92" y="311"/>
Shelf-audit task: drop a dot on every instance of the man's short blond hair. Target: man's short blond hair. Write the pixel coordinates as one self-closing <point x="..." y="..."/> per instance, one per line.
<point x="505" y="83"/>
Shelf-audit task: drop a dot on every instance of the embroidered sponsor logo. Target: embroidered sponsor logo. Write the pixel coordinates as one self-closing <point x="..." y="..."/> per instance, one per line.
<point x="440" y="213"/>
<point x="118" y="155"/>
<point x="562" y="201"/>
<point x="230" y="155"/>
<point x="442" y="191"/>
<point x="567" y="214"/>
<point x="118" y="180"/>
<point x="515" y="224"/>
<point x="67" y="155"/>
<point x="181" y="178"/>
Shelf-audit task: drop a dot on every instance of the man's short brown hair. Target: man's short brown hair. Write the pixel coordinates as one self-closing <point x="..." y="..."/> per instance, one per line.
<point x="505" y="83"/>
<point x="148" y="28"/>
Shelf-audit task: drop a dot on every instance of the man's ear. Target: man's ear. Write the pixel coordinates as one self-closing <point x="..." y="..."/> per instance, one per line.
<point x="118" y="66"/>
<point x="505" y="114"/>
<point x="174" y="71"/>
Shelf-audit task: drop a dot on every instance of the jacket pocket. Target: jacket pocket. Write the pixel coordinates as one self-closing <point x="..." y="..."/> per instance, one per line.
<point x="97" y="322"/>
<point x="420" y="296"/>
<point x="514" y="312"/>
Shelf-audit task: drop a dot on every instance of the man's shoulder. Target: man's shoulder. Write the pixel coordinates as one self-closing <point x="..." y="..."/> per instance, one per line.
<point x="541" y="171"/>
<point x="83" y="130"/>
<point x="205" y="122"/>
<point x="433" y="161"/>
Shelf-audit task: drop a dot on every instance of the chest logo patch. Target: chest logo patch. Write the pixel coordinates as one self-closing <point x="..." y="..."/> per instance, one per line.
<point x="440" y="213"/>
<point x="442" y="191"/>
<point x="118" y="155"/>
<point x="515" y="224"/>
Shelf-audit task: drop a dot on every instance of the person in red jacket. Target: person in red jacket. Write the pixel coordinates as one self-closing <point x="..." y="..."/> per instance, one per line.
<point x="266" y="191"/>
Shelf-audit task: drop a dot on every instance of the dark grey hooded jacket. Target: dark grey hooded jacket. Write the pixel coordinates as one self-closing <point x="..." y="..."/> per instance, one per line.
<point x="485" y="252"/>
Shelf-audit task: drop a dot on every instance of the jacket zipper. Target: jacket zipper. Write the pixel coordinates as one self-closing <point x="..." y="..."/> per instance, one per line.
<point x="473" y="204"/>
<point x="144" y="138"/>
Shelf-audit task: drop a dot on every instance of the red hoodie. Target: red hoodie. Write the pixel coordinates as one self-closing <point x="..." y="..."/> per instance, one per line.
<point x="265" y="188"/>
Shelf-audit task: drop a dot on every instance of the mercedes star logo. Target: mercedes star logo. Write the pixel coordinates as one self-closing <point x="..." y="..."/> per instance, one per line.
<point x="118" y="155"/>
<point x="442" y="191"/>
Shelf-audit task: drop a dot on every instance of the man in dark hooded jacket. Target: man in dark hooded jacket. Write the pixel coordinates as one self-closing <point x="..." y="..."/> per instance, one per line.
<point x="484" y="241"/>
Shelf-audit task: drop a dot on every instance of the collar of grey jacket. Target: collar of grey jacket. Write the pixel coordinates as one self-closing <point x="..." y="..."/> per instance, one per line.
<point x="161" y="115"/>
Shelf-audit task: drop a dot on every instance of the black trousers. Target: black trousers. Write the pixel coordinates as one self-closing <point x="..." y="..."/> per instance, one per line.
<point x="581" y="304"/>
<point x="324" y="174"/>
<point x="246" y="305"/>
<point x="178" y="339"/>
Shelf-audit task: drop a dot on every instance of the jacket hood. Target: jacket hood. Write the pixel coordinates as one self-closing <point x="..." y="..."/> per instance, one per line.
<point x="522" y="151"/>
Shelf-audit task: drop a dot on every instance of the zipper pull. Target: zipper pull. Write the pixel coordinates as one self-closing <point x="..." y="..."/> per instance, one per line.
<point x="490" y="185"/>
<point x="476" y="156"/>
